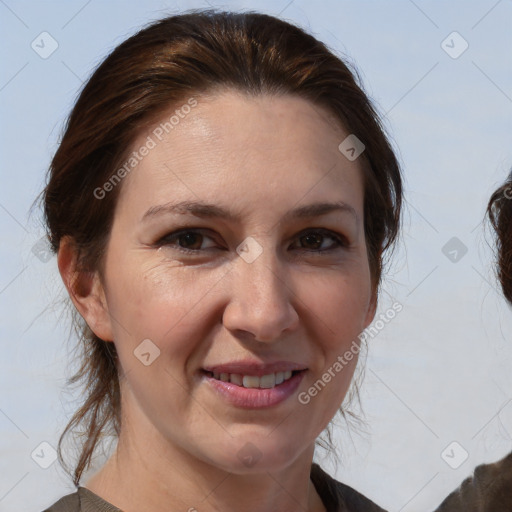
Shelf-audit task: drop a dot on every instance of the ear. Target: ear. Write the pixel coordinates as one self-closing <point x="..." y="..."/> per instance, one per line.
<point x="85" y="290"/>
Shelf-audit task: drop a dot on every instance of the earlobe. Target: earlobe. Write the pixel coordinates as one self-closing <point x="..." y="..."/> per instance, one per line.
<point x="85" y="290"/>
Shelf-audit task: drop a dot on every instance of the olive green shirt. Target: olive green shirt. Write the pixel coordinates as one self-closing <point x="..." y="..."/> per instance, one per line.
<point x="337" y="497"/>
<point x="489" y="489"/>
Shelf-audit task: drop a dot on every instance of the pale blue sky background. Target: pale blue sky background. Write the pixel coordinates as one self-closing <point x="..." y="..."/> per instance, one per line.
<point x="439" y="372"/>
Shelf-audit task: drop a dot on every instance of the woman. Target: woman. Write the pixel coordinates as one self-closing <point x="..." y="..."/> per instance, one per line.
<point x="220" y="204"/>
<point x="489" y="489"/>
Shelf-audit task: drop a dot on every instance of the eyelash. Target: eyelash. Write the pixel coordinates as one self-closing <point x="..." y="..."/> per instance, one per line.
<point x="168" y="240"/>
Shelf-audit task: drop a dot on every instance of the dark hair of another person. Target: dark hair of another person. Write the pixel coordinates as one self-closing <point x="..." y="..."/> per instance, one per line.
<point x="161" y="66"/>
<point x="499" y="211"/>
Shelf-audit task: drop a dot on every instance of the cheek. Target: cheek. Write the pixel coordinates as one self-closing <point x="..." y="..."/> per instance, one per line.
<point x="340" y="302"/>
<point x="159" y="300"/>
<point x="168" y="306"/>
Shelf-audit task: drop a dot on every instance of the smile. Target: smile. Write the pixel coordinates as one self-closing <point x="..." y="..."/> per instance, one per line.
<point x="252" y="381"/>
<point x="251" y="391"/>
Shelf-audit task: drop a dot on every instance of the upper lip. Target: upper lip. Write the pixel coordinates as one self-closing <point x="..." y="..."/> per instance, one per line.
<point x="255" y="368"/>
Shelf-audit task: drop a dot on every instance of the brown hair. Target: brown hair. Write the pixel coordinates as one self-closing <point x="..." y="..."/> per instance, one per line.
<point x="166" y="63"/>
<point x="499" y="211"/>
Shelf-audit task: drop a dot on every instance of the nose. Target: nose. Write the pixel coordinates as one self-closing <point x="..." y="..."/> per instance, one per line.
<point x="261" y="299"/>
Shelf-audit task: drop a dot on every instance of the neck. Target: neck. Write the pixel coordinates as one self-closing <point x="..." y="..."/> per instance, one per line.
<point x="146" y="477"/>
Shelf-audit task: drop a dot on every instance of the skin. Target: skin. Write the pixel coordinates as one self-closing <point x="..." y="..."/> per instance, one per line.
<point x="259" y="157"/>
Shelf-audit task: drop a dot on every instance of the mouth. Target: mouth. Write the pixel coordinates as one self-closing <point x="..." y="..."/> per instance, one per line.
<point x="268" y="381"/>
<point x="262" y="391"/>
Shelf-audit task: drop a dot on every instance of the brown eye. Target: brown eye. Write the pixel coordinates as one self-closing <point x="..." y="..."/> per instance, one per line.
<point x="321" y="240"/>
<point x="190" y="240"/>
<point x="313" y="240"/>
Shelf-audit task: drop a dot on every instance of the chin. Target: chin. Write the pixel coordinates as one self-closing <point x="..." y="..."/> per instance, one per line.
<point x="256" y="454"/>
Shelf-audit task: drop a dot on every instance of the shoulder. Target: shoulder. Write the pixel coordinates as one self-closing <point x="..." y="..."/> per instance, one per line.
<point x="339" y="497"/>
<point x="489" y="489"/>
<point x="69" y="503"/>
<point x="83" y="500"/>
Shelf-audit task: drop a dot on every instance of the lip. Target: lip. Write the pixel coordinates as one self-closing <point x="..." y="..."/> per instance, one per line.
<point x="253" y="398"/>
<point x="255" y="368"/>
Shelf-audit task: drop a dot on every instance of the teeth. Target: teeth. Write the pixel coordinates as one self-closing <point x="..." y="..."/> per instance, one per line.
<point x="268" y="381"/>
<point x="237" y="379"/>
<point x="251" y="381"/>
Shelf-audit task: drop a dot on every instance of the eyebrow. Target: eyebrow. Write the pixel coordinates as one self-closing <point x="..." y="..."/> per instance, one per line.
<point x="207" y="210"/>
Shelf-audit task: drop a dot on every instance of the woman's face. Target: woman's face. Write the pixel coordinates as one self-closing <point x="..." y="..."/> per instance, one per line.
<point x="238" y="239"/>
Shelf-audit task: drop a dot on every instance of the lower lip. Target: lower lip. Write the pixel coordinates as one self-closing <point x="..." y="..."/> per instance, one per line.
<point x="255" y="398"/>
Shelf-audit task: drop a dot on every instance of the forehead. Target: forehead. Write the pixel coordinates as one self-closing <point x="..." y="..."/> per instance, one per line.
<point x="234" y="146"/>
